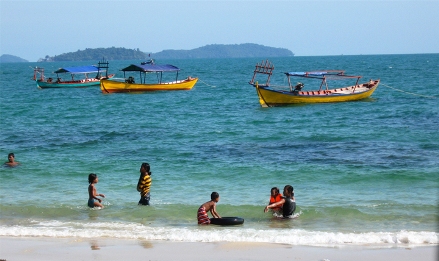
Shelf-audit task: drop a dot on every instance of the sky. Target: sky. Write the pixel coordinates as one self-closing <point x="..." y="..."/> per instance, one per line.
<point x="34" y="29"/>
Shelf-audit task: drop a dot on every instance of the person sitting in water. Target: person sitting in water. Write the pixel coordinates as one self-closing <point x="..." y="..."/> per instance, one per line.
<point x="275" y="197"/>
<point x="11" y="161"/>
<point x="288" y="202"/>
<point x="203" y="218"/>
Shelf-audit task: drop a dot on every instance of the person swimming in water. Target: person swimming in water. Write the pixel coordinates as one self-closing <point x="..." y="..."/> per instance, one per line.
<point x="11" y="161"/>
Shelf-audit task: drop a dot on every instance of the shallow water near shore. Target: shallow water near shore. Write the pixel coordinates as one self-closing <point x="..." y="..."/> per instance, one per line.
<point x="363" y="172"/>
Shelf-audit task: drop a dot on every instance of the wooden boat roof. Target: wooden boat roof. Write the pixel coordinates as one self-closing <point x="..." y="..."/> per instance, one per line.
<point x="78" y="69"/>
<point x="151" y="68"/>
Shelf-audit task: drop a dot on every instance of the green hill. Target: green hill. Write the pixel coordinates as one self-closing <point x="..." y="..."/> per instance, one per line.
<point x="96" y="54"/>
<point x="7" y="58"/>
<point x="225" y="51"/>
<point x="208" y="51"/>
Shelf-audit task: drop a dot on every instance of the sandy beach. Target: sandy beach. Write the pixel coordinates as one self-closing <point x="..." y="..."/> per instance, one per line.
<point x="113" y="249"/>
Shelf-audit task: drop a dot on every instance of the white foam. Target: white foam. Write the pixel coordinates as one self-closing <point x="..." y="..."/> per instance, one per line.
<point x="217" y="234"/>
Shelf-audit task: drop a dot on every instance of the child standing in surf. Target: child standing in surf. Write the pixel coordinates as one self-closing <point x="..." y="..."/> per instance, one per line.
<point x="92" y="193"/>
<point x="144" y="184"/>
<point x="203" y="218"/>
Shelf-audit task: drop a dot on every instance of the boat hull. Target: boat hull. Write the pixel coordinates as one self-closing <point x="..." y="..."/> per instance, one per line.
<point x="113" y="86"/>
<point x="269" y="97"/>
<point x="70" y="84"/>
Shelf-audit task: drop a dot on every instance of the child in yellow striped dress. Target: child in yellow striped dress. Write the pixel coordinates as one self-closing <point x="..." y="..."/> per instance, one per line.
<point x="144" y="184"/>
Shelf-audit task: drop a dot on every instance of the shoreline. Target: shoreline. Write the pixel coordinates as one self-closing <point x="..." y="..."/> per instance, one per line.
<point x="44" y="248"/>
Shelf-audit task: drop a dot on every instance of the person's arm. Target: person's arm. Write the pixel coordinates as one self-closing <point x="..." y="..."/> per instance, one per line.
<point x="274" y="205"/>
<point x="139" y="183"/>
<point x="214" y="213"/>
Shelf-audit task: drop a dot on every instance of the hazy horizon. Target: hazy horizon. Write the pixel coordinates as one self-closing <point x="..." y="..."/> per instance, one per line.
<point x="270" y="46"/>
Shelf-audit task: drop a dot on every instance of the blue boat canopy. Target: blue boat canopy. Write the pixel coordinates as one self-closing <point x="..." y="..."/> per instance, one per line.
<point x="151" y="68"/>
<point x="333" y="74"/>
<point x="316" y="73"/>
<point x="78" y="69"/>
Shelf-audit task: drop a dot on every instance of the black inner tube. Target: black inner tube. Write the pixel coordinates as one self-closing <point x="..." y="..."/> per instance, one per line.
<point x="227" y="221"/>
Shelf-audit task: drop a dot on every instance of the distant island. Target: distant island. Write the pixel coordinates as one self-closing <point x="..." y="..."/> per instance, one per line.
<point x="208" y="51"/>
<point x="247" y="50"/>
<point x="7" y="58"/>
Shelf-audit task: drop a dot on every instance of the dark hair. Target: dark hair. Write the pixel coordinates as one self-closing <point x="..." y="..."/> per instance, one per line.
<point x="91" y="177"/>
<point x="214" y="195"/>
<point x="275" y="189"/>
<point x="290" y="189"/>
<point x="11" y="154"/>
<point x="146" y="167"/>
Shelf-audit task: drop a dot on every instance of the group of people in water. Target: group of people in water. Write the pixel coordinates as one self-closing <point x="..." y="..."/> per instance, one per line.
<point x="143" y="186"/>
<point x="283" y="206"/>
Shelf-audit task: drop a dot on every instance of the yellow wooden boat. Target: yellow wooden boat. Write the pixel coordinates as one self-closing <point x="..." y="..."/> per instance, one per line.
<point x="129" y="84"/>
<point x="270" y="95"/>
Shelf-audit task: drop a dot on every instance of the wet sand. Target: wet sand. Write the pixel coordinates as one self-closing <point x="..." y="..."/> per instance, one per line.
<point x="67" y="249"/>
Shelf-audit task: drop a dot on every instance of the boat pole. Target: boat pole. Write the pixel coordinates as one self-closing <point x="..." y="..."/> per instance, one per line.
<point x="323" y="81"/>
<point x="289" y="83"/>
<point x="356" y="84"/>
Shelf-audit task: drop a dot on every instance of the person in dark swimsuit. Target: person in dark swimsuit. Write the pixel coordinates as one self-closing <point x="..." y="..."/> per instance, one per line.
<point x="92" y="193"/>
<point x="288" y="202"/>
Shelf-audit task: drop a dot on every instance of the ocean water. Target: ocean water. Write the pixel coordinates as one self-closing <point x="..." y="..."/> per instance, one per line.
<point x="363" y="172"/>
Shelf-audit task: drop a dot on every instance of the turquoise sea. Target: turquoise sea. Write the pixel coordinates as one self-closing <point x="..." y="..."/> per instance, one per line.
<point x="363" y="172"/>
